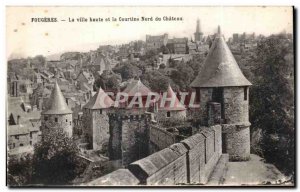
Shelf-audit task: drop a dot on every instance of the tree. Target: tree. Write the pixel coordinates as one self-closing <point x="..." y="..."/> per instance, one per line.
<point x="272" y="101"/>
<point x="156" y="81"/>
<point x="127" y="70"/>
<point x="20" y="170"/>
<point x="182" y="76"/>
<point x="55" y="159"/>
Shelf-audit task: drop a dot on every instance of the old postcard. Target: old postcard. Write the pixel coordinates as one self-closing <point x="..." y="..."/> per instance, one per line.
<point x="150" y="96"/>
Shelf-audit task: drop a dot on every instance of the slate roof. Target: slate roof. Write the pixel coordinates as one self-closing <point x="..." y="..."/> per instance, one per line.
<point x="220" y="68"/>
<point x="57" y="103"/>
<point x="167" y="105"/>
<point x="137" y="87"/>
<point x="99" y="101"/>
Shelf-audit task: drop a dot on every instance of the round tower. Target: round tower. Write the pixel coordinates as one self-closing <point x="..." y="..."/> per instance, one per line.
<point x="57" y="114"/>
<point x="221" y="81"/>
<point x="170" y="108"/>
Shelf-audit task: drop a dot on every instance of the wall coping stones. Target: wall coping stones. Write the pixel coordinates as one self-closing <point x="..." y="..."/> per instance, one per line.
<point x="118" y="177"/>
<point x="194" y="140"/>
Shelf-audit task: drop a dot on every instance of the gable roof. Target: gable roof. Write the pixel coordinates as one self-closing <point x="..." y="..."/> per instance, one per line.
<point x="99" y="101"/>
<point x="220" y="68"/>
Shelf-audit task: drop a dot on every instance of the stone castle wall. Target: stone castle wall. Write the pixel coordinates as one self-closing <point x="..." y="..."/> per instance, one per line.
<point x="129" y="135"/>
<point x="159" y="139"/>
<point x="190" y="161"/>
<point x="64" y="122"/>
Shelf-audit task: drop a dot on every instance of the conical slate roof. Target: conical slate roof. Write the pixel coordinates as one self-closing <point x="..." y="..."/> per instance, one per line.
<point x="220" y="68"/>
<point x="99" y="101"/>
<point x="57" y="103"/>
<point x="137" y="87"/>
<point x="167" y="105"/>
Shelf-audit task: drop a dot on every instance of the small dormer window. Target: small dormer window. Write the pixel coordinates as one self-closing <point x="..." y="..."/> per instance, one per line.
<point x="245" y="93"/>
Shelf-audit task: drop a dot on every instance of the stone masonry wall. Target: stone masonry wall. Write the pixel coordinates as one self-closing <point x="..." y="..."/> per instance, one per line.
<point x="129" y="135"/>
<point x="100" y="128"/>
<point x="64" y="121"/>
<point x="237" y="139"/>
<point x="159" y="139"/>
<point x="190" y="161"/>
<point x="135" y="139"/>
<point x="205" y="97"/>
<point x="174" y="115"/>
<point x="236" y="108"/>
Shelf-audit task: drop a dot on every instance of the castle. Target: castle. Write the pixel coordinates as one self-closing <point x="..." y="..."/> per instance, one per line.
<point x="136" y="135"/>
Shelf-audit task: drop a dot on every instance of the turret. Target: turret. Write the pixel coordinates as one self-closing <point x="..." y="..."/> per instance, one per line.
<point x="57" y="114"/>
<point x="96" y="120"/>
<point x="170" y="108"/>
<point x="224" y="98"/>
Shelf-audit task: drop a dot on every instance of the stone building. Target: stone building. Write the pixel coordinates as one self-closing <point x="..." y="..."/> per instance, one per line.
<point x="178" y="45"/>
<point x="96" y="120"/>
<point x="156" y="42"/>
<point x="170" y="108"/>
<point x="224" y="97"/>
<point x="57" y="114"/>
<point x="129" y="127"/>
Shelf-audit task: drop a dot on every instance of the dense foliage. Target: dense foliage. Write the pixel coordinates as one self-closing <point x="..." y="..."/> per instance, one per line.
<point x="272" y="103"/>
<point x="55" y="159"/>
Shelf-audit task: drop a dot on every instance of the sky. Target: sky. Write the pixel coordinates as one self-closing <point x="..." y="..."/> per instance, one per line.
<point x="25" y="38"/>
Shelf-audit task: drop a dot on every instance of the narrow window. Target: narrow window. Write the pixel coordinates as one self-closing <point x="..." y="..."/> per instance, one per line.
<point x="70" y="122"/>
<point x="168" y="114"/>
<point x="17" y="136"/>
<point x="245" y="93"/>
<point x="14" y="145"/>
<point x="45" y="118"/>
<point x="66" y="120"/>
<point x="100" y="111"/>
<point x="21" y="144"/>
<point x="30" y="142"/>
<point x="56" y="119"/>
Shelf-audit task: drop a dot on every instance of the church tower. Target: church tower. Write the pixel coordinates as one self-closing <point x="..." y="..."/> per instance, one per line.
<point x="57" y="114"/>
<point x="198" y="34"/>
<point x="224" y="94"/>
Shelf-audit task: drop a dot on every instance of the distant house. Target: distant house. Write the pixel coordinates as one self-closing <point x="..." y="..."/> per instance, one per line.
<point x="23" y="125"/>
<point x="156" y="42"/>
<point x="178" y="45"/>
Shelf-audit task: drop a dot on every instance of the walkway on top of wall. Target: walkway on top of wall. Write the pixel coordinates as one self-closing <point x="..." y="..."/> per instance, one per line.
<point x="252" y="172"/>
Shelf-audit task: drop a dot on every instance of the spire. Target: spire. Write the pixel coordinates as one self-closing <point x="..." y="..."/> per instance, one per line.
<point x="219" y="30"/>
<point x="99" y="101"/>
<point x="198" y="26"/>
<point x="220" y="68"/>
<point x="177" y="105"/>
<point x="57" y="103"/>
<point x="137" y="87"/>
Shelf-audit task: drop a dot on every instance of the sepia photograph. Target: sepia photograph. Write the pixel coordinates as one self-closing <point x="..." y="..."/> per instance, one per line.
<point x="150" y="96"/>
